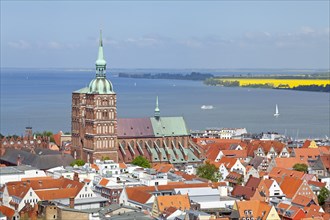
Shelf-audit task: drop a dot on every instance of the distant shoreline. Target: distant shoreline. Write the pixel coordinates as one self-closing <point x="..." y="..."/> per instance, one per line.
<point x="317" y="82"/>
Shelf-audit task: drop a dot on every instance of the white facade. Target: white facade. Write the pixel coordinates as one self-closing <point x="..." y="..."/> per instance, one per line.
<point x="223" y="171"/>
<point x="275" y="190"/>
<point x="108" y="167"/>
<point x="190" y="169"/>
<point x="30" y="197"/>
<point x="251" y="172"/>
<point x="123" y="199"/>
<point x="16" y="173"/>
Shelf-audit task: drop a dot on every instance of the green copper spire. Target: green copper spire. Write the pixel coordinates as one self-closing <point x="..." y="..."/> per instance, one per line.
<point x="100" y="85"/>
<point x="100" y="62"/>
<point x="157" y="111"/>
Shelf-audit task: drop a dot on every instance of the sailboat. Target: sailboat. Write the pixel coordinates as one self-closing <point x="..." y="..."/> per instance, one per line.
<point x="276" y="112"/>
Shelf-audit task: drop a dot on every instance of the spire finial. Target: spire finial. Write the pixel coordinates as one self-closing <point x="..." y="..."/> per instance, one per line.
<point x="157" y="111"/>
<point x="101" y="44"/>
<point x="100" y="62"/>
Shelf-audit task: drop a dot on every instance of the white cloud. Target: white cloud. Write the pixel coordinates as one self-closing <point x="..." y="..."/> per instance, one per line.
<point x="54" y="45"/>
<point x="21" y="44"/>
<point x="307" y="30"/>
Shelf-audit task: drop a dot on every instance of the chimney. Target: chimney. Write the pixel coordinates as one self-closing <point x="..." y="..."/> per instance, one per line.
<point x="76" y="177"/>
<point x="71" y="202"/>
<point x="18" y="162"/>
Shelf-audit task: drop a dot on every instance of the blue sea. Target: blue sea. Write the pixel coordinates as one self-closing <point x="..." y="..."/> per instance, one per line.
<point x="41" y="98"/>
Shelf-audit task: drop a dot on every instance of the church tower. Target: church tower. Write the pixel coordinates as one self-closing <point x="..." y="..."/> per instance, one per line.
<point x="94" y="117"/>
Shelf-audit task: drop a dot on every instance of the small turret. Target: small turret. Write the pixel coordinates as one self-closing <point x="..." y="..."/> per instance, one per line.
<point x="157" y="111"/>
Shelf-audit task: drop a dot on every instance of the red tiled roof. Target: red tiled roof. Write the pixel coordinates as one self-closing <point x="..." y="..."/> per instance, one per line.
<point x="138" y="195"/>
<point x="8" y="212"/>
<point x="306" y="143"/>
<point x="289" y="162"/>
<point x="290" y="185"/>
<point x="86" y="180"/>
<point x="20" y="188"/>
<point x="103" y="182"/>
<point x="228" y="162"/>
<point x="235" y="153"/>
<point x="265" y="145"/>
<point x="181" y="202"/>
<point x="57" y="193"/>
<point x="57" y="138"/>
<point x="122" y="165"/>
<point x="185" y="176"/>
<point x="257" y="207"/>
<point x="315" y="183"/>
<point x="281" y="172"/>
<point x="326" y="161"/>
<point x="163" y="168"/>
<point x="243" y="191"/>
<point x="301" y="200"/>
<point x="253" y="182"/>
<point x="94" y="166"/>
<point x="307" y="153"/>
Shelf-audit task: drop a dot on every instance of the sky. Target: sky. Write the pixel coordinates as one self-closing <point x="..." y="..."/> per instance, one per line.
<point x="166" y="34"/>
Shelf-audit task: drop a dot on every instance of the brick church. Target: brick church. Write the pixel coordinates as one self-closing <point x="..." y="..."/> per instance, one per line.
<point x="97" y="133"/>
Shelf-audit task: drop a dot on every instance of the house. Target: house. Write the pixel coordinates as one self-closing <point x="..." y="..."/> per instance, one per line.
<point x="163" y="168"/>
<point x="309" y="144"/>
<point x="206" y="198"/>
<point x="8" y="213"/>
<point x="227" y="165"/>
<point x="316" y="186"/>
<point x="319" y="167"/>
<point x="285" y="162"/>
<point x="254" y="209"/>
<point x="268" y="149"/>
<point x="31" y="191"/>
<point x="16" y="173"/>
<point x="278" y="172"/>
<point x="137" y="197"/>
<point x="123" y="167"/>
<point x="302" y="201"/>
<point x="250" y="171"/>
<point x="290" y="212"/>
<point x="161" y="203"/>
<point x="270" y="189"/>
<point x="292" y="187"/>
<point x="306" y="153"/>
<point x="247" y="191"/>
<point x="259" y="163"/>
<point x="143" y="196"/>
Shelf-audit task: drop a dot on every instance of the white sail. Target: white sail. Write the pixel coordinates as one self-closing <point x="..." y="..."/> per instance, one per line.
<point x="276" y="112"/>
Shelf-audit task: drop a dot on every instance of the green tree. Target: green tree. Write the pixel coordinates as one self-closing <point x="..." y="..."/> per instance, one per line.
<point x="78" y="162"/>
<point x="323" y="195"/>
<point x="209" y="171"/>
<point x="141" y="161"/>
<point x="300" y="167"/>
<point x="105" y="158"/>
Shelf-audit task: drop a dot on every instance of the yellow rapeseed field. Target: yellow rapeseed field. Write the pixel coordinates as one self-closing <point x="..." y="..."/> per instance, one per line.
<point x="280" y="82"/>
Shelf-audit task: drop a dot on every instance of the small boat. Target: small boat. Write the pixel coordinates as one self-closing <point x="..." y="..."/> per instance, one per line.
<point x="206" y="107"/>
<point x="276" y="112"/>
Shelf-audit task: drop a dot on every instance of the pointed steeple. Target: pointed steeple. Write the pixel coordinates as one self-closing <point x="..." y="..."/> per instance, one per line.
<point x="100" y="62"/>
<point x="157" y="111"/>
